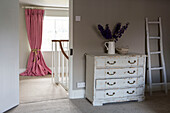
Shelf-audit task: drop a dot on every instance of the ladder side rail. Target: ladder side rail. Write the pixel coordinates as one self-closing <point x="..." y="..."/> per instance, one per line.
<point x="162" y="56"/>
<point x="149" y="57"/>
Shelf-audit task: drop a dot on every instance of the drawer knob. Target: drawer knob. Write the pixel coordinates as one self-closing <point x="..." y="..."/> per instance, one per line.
<point x="111" y="63"/>
<point x="110" y="83"/>
<point x="131" y="82"/>
<point x="110" y="94"/>
<point x="130" y="92"/>
<point x="111" y="73"/>
<point x="132" y="62"/>
<point x="131" y="72"/>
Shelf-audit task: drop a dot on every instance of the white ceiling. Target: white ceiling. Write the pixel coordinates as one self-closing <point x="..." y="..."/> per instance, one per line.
<point x="52" y="3"/>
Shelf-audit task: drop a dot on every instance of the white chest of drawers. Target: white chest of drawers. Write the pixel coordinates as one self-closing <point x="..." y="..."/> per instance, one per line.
<point x="115" y="78"/>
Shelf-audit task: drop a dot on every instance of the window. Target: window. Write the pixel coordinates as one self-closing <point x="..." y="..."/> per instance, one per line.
<point x="54" y="28"/>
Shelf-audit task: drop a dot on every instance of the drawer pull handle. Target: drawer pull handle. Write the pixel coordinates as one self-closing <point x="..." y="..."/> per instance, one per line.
<point x="132" y="62"/>
<point x="131" y="82"/>
<point x="111" y="73"/>
<point x="110" y="94"/>
<point x="130" y="92"/>
<point x="111" y="63"/>
<point x="110" y="83"/>
<point x="131" y="72"/>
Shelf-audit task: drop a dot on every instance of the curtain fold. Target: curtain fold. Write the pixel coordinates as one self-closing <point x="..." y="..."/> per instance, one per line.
<point x="36" y="65"/>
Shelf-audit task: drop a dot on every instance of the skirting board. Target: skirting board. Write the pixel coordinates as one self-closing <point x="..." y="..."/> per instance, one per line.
<point x="77" y="94"/>
<point x="156" y="88"/>
<point x="23" y="69"/>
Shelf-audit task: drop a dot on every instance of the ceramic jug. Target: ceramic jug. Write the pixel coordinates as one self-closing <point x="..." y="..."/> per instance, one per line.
<point x="110" y="46"/>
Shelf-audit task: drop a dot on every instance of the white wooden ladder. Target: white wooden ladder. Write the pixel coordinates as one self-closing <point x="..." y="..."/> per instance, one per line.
<point x="159" y="52"/>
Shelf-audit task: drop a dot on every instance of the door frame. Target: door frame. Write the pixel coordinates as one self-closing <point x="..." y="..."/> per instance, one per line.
<point x="71" y="19"/>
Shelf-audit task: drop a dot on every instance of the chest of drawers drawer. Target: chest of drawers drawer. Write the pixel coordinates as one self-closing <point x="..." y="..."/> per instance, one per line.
<point x="119" y="93"/>
<point x="118" y="61"/>
<point x="118" y="72"/>
<point x="119" y="83"/>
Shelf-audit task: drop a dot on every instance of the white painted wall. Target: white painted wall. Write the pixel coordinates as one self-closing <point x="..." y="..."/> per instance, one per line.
<point x="9" y="54"/>
<point x="60" y="13"/>
<point x="52" y="3"/>
<point x="24" y="48"/>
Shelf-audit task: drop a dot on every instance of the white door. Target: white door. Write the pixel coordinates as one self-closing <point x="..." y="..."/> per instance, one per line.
<point x="9" y="54"/>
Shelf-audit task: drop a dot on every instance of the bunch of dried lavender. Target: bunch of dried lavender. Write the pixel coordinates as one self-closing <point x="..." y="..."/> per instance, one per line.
<point x="118" y="31"/>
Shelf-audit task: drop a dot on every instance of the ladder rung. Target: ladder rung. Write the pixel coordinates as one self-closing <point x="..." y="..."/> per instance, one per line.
<point x="153" y="22"/>
<point x="154" y="84"/>
<point x="157" y="52"/>
<point x="154" y="37"/>
<point x="156" y="68"/>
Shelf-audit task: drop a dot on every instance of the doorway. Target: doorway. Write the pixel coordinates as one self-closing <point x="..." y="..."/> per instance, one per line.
<point x="32" y="87"/>
<point x="11" y="52"/>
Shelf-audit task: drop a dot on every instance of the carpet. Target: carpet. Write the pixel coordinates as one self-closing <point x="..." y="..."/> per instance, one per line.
<point x="159" y="103"/>
<point x="40" y="89"/>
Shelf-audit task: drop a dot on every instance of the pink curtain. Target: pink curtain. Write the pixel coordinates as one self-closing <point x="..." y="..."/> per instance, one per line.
<point x="36" y="65"/>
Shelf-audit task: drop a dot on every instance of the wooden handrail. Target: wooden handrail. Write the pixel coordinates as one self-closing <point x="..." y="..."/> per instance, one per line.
<point x="60" y="40"/>
<point x="62" y="50"/>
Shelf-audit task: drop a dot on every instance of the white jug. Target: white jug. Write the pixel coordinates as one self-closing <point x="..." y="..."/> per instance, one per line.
<point x="110" y="46"/>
